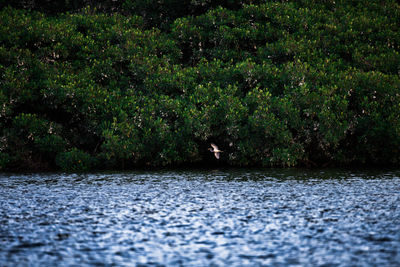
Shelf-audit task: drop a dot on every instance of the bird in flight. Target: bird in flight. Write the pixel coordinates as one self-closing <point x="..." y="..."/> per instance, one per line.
<point x="215" y="150"/>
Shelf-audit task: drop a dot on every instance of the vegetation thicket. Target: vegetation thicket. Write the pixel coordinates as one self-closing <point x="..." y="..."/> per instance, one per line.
<point x="130" y="83"/>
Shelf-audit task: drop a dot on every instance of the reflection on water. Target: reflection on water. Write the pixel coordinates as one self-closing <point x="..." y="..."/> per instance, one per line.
<point x="273" y="217"/>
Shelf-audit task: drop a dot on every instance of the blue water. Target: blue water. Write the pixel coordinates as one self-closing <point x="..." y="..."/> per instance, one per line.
<point x="201" y="218"/>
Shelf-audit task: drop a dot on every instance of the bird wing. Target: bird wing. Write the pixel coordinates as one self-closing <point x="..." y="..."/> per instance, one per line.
<point x="216" y="155"/>
<point x="214" y="146"/>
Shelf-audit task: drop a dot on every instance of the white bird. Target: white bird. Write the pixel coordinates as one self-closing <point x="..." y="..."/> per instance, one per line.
<point x="215" y="150"/>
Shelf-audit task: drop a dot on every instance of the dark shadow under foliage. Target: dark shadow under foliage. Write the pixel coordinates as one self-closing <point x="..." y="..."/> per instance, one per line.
<point x="123" y="84"/>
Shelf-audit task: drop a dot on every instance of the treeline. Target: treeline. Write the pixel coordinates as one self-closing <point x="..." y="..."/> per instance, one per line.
<point x="121" y="84"/>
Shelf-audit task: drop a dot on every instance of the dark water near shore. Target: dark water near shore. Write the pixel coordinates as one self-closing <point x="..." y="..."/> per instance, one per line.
<point x="201" y="218"/>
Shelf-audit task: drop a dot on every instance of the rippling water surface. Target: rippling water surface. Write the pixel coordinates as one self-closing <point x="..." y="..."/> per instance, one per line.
<point x="201" y="218"/>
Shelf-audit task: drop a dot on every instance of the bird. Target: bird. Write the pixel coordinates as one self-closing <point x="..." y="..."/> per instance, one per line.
<point x="215" y="150"/>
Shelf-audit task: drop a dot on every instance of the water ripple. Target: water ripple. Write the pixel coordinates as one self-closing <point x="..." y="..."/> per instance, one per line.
<point x="195" y="218"/>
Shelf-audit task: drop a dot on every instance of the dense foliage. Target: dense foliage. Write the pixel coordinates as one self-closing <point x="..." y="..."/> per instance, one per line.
<point x="152" y="83"/>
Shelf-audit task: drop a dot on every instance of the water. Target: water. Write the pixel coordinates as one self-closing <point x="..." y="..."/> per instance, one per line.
<point x="201" y="218"/>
